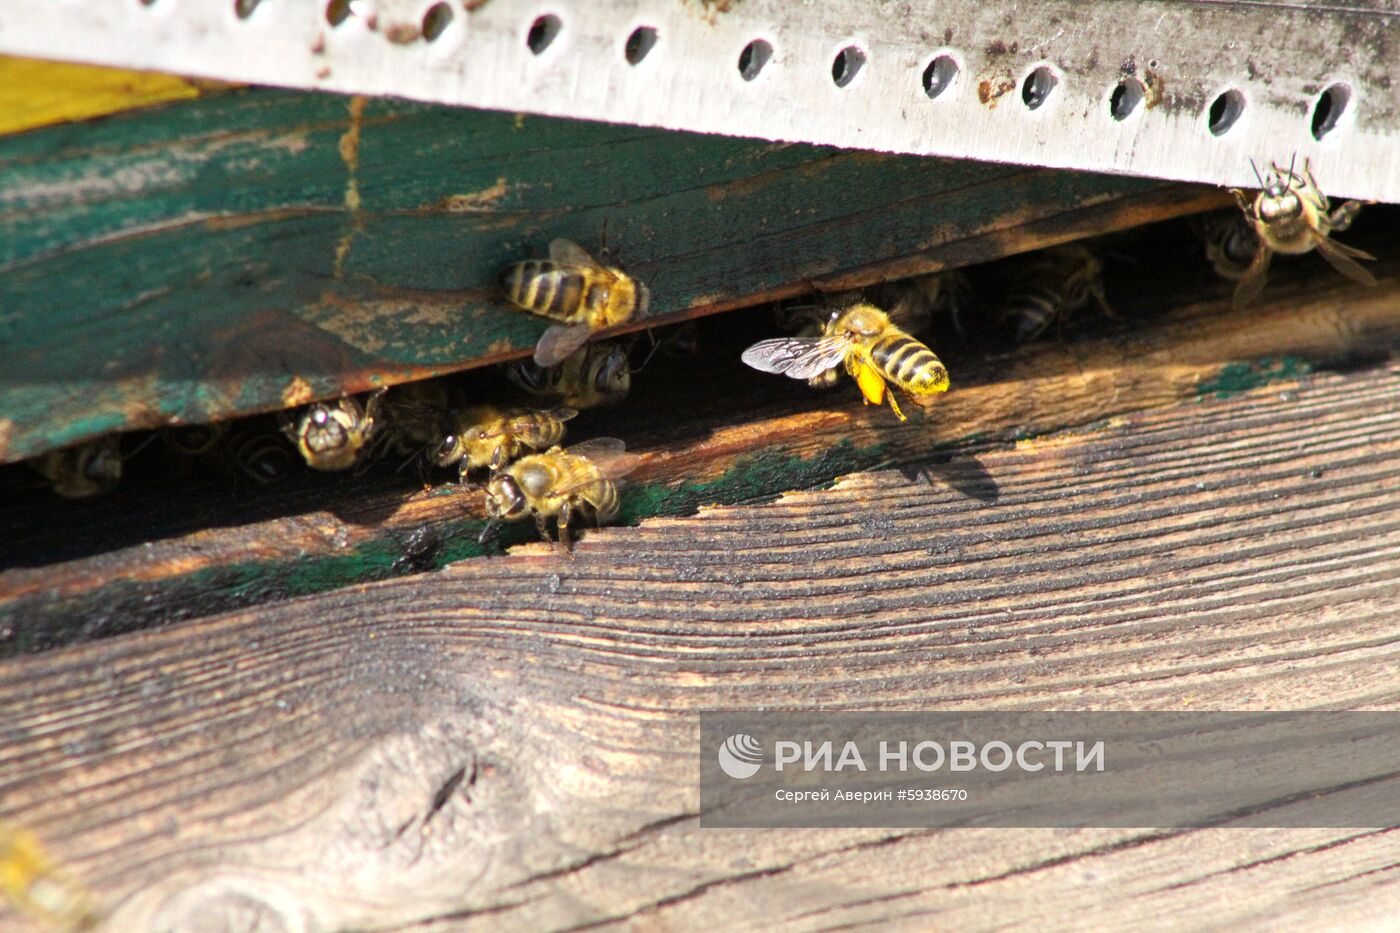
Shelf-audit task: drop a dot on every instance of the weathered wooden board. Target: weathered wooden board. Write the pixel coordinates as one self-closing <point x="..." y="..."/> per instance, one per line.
<point x="167" y="555"/>
<point x="252" y="250"/>
<point x="511" y="742"/>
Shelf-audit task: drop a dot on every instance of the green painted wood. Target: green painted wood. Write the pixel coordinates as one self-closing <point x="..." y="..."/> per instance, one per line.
<point x="256" y="249"/>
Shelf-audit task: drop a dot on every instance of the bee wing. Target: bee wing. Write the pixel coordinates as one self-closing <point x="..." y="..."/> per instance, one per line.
<point x="608" y="454"/>
<point x="796" y="357"/>
<point x="564" y="414"/>
<point x="569" y="253"/>
<point x="1340" y="256"/>
<point x="1253" y="281"/>
<point x="559" y="342"/>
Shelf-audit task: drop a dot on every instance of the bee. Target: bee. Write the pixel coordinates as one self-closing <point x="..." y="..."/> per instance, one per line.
<point x="1290" y="214"/>
<point x="576" y="290"/>
<point x="1230" y="241"/>
<point x="485" y="436"/>
<point x="83" y="470"/>
<point x="874" y="351"/>
<point x="596" y="375"/>
<point x="258" y="452"/>
<point x="416" y="416"/>
<point x="38" y="888"/>
<point x="559" y="484"/>
<point x="1049" y="285"/>
<point x="332" y="435"/>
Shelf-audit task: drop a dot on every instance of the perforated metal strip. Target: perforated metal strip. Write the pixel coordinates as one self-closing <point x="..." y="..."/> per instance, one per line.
<point x="1182" y="89"/>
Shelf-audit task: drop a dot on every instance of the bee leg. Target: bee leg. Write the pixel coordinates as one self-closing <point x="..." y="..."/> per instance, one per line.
<point x="566" y="515"/>
<point x="1244" y="202"/>
<point x="889" y="396"/>
<point x="488" y="534"/>
<point x="542" y="524"/>
<point x="1345" y="213"/>
<point x="498" y="457"/>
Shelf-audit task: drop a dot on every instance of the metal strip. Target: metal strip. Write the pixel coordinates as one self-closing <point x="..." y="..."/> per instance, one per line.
<point x="1141" y="87"/>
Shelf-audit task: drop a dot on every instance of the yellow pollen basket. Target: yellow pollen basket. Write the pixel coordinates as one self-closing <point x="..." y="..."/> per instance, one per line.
<point x="873" y="386"/>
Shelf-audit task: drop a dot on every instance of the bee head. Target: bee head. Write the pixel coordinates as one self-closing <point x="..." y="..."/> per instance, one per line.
<point x="504" y="500"/>
<point x="613" y="375"/>
<point x="447" y="452"/>
<point x="1278" y="203"/>
<point x="861" y="320"/>
<point x="326" y="428"/>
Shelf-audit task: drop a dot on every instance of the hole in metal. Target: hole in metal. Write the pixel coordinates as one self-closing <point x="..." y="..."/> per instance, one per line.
<point x="543" y="31"/>
<point x="436" y="21"/>
<point x="847" y="65"/>
<point x="939" y="75"/>
<point x="1125" y="99"/>
<point x="1225" y="112"/>
<point x="640" y="44"/>
<point x="1035" y="90"/>
<point x="337" y="12"/>
<point x="1329" y="109"/>
<point x="754" y="57"/>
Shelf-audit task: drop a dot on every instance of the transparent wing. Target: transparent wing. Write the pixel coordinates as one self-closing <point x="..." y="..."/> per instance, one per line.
<point x="571" y="254"/>
<point x="1340" y="256"/>
<point x="796" y="357"/>
<point x="559" y="341"/>
<point x="1254" y="277"/>
<point x="608" y="454"/>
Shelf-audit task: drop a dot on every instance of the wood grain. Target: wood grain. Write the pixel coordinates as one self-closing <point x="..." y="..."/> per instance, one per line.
<point x="253" y="250"/>
<point x="208" y="550"/>
<point x="510" y="742"/>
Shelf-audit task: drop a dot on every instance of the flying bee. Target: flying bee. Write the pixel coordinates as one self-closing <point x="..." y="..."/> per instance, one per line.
<point x="559" y="484"/>
<point x="576" y="290"/>
<point x="1049" y="285"/>
<point x="332" y="435"/>
<point x="595" y="375"/>
<point x="875" y="353"/>
<point x="38" y="888"/>
<point x="1230" y="241"/>
<point x="1290" y="214"/>
<point x="83" y="470"/>
<point x="485" y="436"/>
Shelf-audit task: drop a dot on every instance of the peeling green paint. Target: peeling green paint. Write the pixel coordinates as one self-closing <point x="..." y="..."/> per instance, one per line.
<point x="1235" y="378"/>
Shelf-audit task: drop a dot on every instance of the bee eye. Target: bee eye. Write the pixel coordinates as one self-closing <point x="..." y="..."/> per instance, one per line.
<point x="448" y="443"/>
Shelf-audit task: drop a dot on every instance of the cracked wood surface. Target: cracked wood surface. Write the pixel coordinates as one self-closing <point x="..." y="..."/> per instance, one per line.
<point x="510" y="742"/>
<point x="254" y="250"/>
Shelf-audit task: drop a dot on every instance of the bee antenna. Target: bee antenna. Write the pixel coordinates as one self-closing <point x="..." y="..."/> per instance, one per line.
<point x="1292" y="162"/>
<point x="1257" y="176"/>
<point x="139" y="447"/>
<point x="655" y="345"/>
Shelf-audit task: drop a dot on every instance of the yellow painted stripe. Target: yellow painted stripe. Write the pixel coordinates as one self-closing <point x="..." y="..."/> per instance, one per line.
<point x="37" y="93"/>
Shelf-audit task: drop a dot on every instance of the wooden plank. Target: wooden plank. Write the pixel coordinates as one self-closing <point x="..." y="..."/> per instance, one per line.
<point x="38" y="93"/>
<point x="252" y="250"/>
<point x="754" y="436"/>
<point x="511" y="742"/>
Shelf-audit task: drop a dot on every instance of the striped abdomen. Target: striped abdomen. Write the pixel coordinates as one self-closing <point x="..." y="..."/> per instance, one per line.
<point x="570" y="294"/>
<point x="603" y="496"/>
<point x="909" y="364"/>
<point x="1030" y="310"/>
